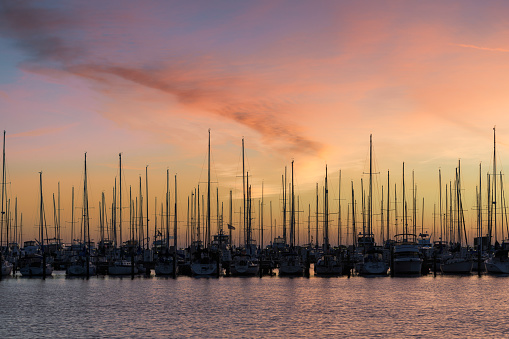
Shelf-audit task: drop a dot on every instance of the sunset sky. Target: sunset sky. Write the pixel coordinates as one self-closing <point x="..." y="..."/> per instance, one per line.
<point x="301" y="80"/>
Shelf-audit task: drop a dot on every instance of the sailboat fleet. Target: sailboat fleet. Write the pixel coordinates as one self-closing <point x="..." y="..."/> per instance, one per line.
<point x="406" y="253"/>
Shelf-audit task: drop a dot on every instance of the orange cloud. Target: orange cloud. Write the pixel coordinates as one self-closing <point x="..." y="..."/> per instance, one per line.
<point x="482" y="48"/>
<point x="42" y="131"/>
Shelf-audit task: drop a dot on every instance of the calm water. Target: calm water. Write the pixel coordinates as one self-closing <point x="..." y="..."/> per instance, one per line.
<point x="254" y="307"/>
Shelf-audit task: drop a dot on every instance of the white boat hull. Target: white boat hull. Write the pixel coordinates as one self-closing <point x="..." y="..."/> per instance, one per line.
<point x="244" y="270"/>
<point x="373" y="268"/>
<point x="497" y="267"/>
<point x="204" y="269"/>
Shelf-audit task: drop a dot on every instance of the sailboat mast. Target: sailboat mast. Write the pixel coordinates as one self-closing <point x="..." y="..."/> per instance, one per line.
<point x="16" y="220"/>
<point x="197" y="205"/>
<point x="354" y="242"/>
<point x="167" y="208"/>
<point x="382" y="217"/>
<point x="404" y="205"/>
<point x="188" y="227"/>
<point x="3" y="194"/>
<point x="120" y="197"/>
<point x="316" y="215"/>
<point x="414" y="204"/>
<point x="175" y="224"/>
<point x="458" y="201"/>
<point x="41" y="227"/>
<point x="363" y="209"/>
<point x="87" y="224"/>
<point x="146" y="199"/>
<point x="440" y="207"/>
<point x="244" y="194"/>
<point x="370" y="201"/>
<point x="141" y="238"/>
<point x="309" y="225"/>
<point x="340" y="240"/>
<point x="422" y="217"/>
<point x="102" y="214"/>
<point x="285" y="197"/>
<point x="479" y="208"/>
<point x="388" y="205"/>
<point x="208" y="195"/>
<point x="217" y="211"/>
<point x="261" y="219"/>
<point x="41" y="218"/>
<point x="230" y="224"/>
<point x="292" y="225"/>
<point x="114" y="213"/>
<point x="59" y="238"/>
<point x="248" y="215"/>
<point x="271" y="234"/>
<point x="494" y="197"/>
<point x="72" y="216"/>
<point x="326" y="212"/>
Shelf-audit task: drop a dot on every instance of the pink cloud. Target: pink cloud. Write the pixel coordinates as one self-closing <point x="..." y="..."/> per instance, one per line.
<point x="42" y="131"/>
<point x="482" y="48"/>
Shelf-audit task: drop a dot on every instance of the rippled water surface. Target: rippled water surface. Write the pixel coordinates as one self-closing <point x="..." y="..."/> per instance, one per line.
<point x="255" y="307"/>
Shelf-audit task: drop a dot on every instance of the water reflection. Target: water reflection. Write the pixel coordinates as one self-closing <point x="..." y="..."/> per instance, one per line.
<point x="253" y="307"/>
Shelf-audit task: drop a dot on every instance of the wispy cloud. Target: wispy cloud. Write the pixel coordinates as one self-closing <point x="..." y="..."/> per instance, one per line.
<point x="482" y="48"/>
<point x="47" y="36"/>
<point x="42" y="131"/>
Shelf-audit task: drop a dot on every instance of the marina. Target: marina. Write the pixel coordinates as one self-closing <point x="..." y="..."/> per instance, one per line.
<point x="215" y="255"/>
<point x="254" y="169"/>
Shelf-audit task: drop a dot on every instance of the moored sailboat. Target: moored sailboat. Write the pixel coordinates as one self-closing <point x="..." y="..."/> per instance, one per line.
<point x="36" y="265"/>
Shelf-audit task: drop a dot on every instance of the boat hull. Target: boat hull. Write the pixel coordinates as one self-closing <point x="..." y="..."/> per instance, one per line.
<point x="410" y="266"/>
<point x="80" y="270"/>
<point x="328" y="271"/>
<point x="497" y="267"/>
<point x="204" y="269"/>
<point x="164" y="269"/>
<point x="291" y="270"/>
<point x="373" y="268"/>
<point x="35" y="271"/>
<point x="457" y="267"/>
<point x="6" y="269"/>
<point x="244" y="270"/>
<point x="122" y="270"/>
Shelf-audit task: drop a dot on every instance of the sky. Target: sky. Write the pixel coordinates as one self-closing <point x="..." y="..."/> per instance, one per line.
<point x="299" y="80"/>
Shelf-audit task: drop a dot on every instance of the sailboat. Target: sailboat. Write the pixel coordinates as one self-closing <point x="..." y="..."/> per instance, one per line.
<point x="372" y="262"/>
<point x="244" y="265"/>
<point x="205" y="262"/>
<point x="36" y="265"/>
<point x="406" y="256"/>
<point x="167" y="264"/>
<point x="458" y="260"/>
<point x="244" y="262"/>
<point x="498" y="263"/>
<point x="291" y="261"/>
<point x="81" y="265"/>
<point x="6" y="267"/>
<point x="328" y="264"/>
